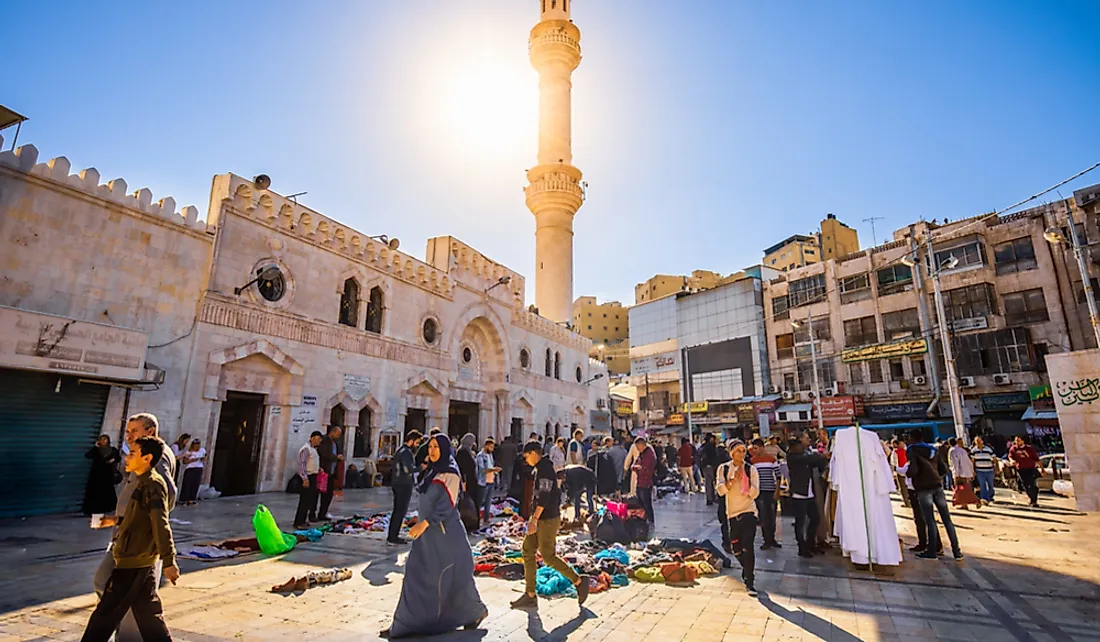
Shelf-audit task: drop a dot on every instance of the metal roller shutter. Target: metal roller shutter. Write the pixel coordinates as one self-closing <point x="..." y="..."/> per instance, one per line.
<point x="43" y="438"/>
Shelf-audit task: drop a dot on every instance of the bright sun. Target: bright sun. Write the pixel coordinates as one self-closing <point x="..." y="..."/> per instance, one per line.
<point x="489" y="105"/>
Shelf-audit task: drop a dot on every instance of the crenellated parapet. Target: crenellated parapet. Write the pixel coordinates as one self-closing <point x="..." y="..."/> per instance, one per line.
<point x="473" y="269"/>
<point x="25" y="159"/>
<point x="282" y="214"/>
<point x="555" y="331"/>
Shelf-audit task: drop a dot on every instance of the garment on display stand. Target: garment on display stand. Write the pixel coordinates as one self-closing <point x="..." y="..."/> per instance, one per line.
<point x="861" y="476"/>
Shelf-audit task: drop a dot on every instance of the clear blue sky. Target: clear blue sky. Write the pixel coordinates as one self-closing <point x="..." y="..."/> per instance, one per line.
<point x="707" y="130"/>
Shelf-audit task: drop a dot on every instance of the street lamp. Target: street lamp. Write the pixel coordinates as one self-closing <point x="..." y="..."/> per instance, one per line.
<point x="504" y="280"/>
<point x="950" y="263"/>
<point x="598" y="375"/>
<point x="1055" y="237"/>
<point x="813" y="364"/>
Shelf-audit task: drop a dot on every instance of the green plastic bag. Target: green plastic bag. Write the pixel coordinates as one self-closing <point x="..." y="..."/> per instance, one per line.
<point x="272" y="540"/>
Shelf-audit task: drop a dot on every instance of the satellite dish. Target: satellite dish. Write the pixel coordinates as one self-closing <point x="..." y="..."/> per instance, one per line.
<point x="394" y="244"/>
<point x="262" y="181"/>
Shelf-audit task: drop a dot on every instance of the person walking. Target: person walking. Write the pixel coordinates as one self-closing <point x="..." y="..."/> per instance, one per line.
<point x="328" y="452"/>
<point x="143" y="538"/>
<point x="99" y="492"/>
<point x="505" y="456"/>
<point x="404" y="468"/>
<point x="438" y="593"/>
<point x="738" y="483"/>
<point x="962" y="469"/>
<point x="1028" y="467"/>
<point x="928" y="482"/>
<point x="984" y="468"/>
<point x="767" y="470"/>
<point x="575" y="454"/>
<point x="802" y="466"/>
<point x="542" y="531"/>
<point x="486" y="478"/>
<point x="645" y="466"/>
<point x="685" y="461"/>
<point x="709" y="463"/>
<point x="309" y="464"/>
<point x="192" y="461"/>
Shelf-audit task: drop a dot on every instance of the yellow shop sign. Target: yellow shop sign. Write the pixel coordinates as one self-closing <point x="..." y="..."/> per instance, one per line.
<point x="885" y="350"/>
<point x="696" y="407"/>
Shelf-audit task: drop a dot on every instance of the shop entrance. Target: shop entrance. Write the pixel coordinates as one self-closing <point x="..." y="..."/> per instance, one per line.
<point x="416" y="419"/>
<point x="461" y="419"/>
<point x="237" y="449"/>
<point x="517" y="430"/>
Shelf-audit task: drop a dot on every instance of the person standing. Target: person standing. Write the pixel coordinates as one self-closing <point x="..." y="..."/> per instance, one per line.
<point x="328" y="452"/>
<point x="542" y="531"/>
<point x="140" y="425"/>
<point x="467" y="469"/>
<point x="928" y="483"/>
<point x="962" y="469"/>
<point x="672" y="456"/>
<point x="575" y="454"/>
<point x="309" y="464"/>
<point x="422" y="452"/>
<point x="802" y="465"/>
<point x="99" y="492"/>
<point x="897" y="462"/>
<point x="438" y="593"/>
<point x="401" y="483"/>
<point x="557" y="453"/>
<point x="192" y="461"/>
<point x="617" y="454"/>
<point x="505" y="456"/>
<point x="738" y="483"/>
<point x="177" y="447"/>
<point x="1028" y="467"/>
<point x="645" y="466"/>
<point x="685" y="461"/>
<point x="143" y="538"/>
<point x="984" y="468"/>
<point x="486" y="477"/>
<point x="709" y="462"/>
<point x="942" y="459"/>
<point x="767" y="470"/>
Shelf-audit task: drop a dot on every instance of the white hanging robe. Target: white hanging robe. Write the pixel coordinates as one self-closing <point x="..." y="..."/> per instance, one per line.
<point x="851" y="525"/>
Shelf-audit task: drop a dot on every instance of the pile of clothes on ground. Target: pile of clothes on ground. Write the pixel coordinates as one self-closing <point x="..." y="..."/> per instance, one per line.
<point x="211" y="551"/>
<point x="375" y="524"/>
<point x="504" y="507"/>
<point x="329" y="576"/>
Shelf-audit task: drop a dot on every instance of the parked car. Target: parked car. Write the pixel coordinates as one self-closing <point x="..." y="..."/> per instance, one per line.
<point x="1056" y="469"/>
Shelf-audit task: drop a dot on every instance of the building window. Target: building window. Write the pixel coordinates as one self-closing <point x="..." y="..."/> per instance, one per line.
<point x="430" y="331"/>
<point x="349" y="304"/>
<point x="968" y="255"/>
<point x="605" y="316"/>
<point x="894" y="279"/>
<point x="524" y="359"/>
<point x="788" y="381"/>
<point x="875" y="368"/>
<point x="557" y="366"/>
<point x="896" y="325"/>
<point x="589" y="327"/>
<point x="374" y="310"/>
<point x="580" y="375"/>
<point x="822" y="331"/>
<point x="467" y="355"/>
<point x="1015" y="256"/>
<point x="987" y="353"/>
<point x="780" y="308"/>
<point x="362" y="447"/>
<point x="804" y="291"/>
<point x="549" y="363"/>
<point x="916" y="364"/>
<point x="855" y="288"/>
<point x="1028" y="306"/>
<point x="1079" y="290"/>
<point x="897" y="370"/>
<point x="805" y="375"/>
<point x="784" y="346"/>
<point x="860" y="332"/>
<point x="970" y="302"/>
<point x="855" y="373"/>
<point x="826" y="374"/>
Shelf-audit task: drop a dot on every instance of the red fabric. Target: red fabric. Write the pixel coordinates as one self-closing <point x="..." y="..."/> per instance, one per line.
<point x="645" y="467"/>
<point x="964" y="495"/>
<point x="685" y="456"/>
<point x="902" y="457"/>
<point x="484" y="568"/>
<point x="1025" y="456"/>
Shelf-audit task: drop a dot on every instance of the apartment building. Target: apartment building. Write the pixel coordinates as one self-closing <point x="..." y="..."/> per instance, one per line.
<point x="833" y="239"/>
<point x="606" y="324"/>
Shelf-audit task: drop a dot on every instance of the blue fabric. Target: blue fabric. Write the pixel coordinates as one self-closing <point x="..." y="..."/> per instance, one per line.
<point x="549" y="582"/>
<point x="616" y="554"/>
<point x="438" y="594"/>
<point x="311" y="534"/>
<point x="985" y="484"/>
<point x="446" y="464"/>
<point x="620" y="580"/>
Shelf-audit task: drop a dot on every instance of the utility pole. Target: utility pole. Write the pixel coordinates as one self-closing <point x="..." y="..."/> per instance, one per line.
<point x="925" y="318"/>
<point x="813" y="363"/>
<point x="1090" y="299"/>
<point x="948" y="357"/>
<point x="871" y="220"/>
<point x="687" y="389"/>
<point x="648" y="404"/>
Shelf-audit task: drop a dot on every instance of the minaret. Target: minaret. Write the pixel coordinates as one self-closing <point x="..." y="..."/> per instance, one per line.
<point x="554" y="192"/>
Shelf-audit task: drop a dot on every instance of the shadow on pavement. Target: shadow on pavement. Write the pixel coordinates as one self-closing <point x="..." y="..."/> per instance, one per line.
<point x="808" y="622"/>
<point x="535" y="630"/>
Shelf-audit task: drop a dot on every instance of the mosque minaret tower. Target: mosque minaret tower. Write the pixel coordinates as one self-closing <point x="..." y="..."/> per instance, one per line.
<point x="554" y="191"/>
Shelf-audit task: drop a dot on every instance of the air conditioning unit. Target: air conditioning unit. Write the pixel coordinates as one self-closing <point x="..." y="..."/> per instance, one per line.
<point x="773" y="390"/>
<point x="920" y="380"/>
<point x="805" y="396"/>
<point x="966" y="382"/>
<point x="787" y="394"/>
<point x="829" y="392"/>
<point x="1002" y="379"/>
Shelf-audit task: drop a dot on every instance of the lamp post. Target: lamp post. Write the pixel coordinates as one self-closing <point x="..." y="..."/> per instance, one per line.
<point x="813" y="364"/>
<point x="1054" y="236"/>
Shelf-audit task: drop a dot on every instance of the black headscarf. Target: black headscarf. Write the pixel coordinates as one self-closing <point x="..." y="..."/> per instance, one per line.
<point x="446" y="463"/>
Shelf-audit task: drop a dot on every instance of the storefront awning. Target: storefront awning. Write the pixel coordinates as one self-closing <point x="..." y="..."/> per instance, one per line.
<point x="1031" y="414"/>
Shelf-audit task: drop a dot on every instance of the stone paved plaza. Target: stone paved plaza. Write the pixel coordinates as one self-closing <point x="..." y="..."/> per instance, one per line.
<point x="1028" y="575"/>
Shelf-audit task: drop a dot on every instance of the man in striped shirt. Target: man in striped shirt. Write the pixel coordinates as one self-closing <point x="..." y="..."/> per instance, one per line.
<point x="984" y="468"/>
<point x="767" y="468"/>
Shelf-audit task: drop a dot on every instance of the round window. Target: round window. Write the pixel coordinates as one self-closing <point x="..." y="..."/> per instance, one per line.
<point x="467" y="355"/>
<point x="430" y="331"/>
<point x="524" y="358"/>
<point x="580" y="375"/>
<point x="271" y="283"/>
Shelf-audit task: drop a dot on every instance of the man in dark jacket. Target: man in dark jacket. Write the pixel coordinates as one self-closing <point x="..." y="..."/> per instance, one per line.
<point x="801" y="466"/>
<point x="329" y="454"/>
<point x="928" y="483"/>
<point x="577" y="481"/>
<point x="708" y="461"/>
<point x="404" y="467"/>
<point x="506" y="458"/>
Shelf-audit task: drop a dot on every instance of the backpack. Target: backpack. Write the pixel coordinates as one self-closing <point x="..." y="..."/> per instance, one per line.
<point x="608" y="528"/>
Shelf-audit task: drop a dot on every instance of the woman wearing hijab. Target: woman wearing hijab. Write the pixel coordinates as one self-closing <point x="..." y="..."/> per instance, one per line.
<point x="99" y="494"/>
<point x="438" y="594"/>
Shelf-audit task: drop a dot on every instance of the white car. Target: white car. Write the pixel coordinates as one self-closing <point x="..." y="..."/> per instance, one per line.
<point x="1057" y="478"/>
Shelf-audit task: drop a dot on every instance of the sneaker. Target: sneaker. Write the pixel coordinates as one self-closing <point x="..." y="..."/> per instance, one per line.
<point x="765" y="546"/>
<point x="928" y="556"/>
<point x="525" y="601"/>
<point x="775" y="545"/>
<point x="959" y="556"/>
<point x="805" y="553"/>
<point x="582" y="590"/>
<point x="918" y="548"/>
<point x="328" y="517"/>
<point x="396" y="542"/>
<point x="751" y="590"/>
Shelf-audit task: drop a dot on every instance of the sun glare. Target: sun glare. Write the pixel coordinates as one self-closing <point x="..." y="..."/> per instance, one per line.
<point x="489" y="105"/>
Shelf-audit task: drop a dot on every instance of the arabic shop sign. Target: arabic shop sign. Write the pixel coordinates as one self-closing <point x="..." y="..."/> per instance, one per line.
<point x="1009" y="401"/>
<point x="1079" y="392"/>
<point x="675" y="420"/>
<point x="1042" y="398"/>
<point x="885" y="350"/>
<point x="746" y="413"/>
<point x="896" y="411"/>
<point x="840" y="410"/>
<point x="695" y="407"/>
<point x="655" y="363"/>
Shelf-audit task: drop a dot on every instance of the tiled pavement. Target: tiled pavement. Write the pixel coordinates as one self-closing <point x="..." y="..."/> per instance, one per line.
<point x="1029" y="575"/>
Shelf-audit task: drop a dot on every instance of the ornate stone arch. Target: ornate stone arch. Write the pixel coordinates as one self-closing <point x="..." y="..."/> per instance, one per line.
<point x="283" y="387"/>
<point x="353" y="406"/>
<point x="473" y="312"/>
<point x="384" y="283"/>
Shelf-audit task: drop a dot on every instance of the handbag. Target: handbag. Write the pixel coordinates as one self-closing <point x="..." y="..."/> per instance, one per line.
<point x="322" y="482"/>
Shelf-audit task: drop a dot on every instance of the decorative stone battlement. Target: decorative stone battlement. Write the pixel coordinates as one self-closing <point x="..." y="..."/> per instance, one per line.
<point x="278" y="212"/>
<point x="555" y="41"/>
<point x="475" y="270"/>
<point x="545" y="327"/>
<point x="25" y="159"/>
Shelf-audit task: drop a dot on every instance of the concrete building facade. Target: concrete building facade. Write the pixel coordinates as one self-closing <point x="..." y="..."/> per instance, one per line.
<point x="832" y="240"/>
<point x="606" y="324"/>
<point x="662" y="285"/>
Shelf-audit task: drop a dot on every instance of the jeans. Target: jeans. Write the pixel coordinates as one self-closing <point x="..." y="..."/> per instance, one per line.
<point x="725" y="525"/>
<point x="134" y="591"/>
<point x="128" y="629"/>
<point x="930" y="502"/>
<point x="646" y="495"/>
<point x="307" y="499"/>
<point x="948" y="481"/>
<point x="806" y="521"/>
<point x="697" y="476"/>
<point x="544" y="542"/>
<point x="708" y="475"/>
<point x="585" y="492"/>
<point x="742" y="530"/>
<point x="985" y="484"/>
<point x="1028" y="479"/>
<point x="486" y="498"/>
<point x="765" y="507"/>
<point x="402" y="494"/>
